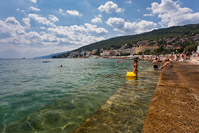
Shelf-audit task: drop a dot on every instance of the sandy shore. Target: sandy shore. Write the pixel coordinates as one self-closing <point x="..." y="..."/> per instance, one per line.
<point x="175" y="104"/>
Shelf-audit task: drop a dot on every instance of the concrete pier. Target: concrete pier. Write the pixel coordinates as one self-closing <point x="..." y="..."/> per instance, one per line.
<point x="175" y="104"/>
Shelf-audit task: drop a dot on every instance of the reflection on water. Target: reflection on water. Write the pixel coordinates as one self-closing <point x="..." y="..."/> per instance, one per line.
<point x="42" y="97"/>
<point x="133" y="78"/>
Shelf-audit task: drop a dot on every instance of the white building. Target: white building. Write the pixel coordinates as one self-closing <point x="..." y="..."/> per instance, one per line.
<point x="197" y="49"/>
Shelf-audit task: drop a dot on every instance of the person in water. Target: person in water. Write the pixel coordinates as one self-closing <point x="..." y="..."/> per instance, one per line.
<point x="156" y="64"/>
<point x="135" y="66"/>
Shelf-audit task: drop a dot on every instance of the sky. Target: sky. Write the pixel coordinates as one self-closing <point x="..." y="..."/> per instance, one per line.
<point x="32" y="28"/>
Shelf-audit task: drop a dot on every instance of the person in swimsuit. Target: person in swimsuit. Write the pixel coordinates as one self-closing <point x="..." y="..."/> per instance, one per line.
<point x="168" y="63"/>
<point x="135" y="66"/>
<point x="156" y="64"/>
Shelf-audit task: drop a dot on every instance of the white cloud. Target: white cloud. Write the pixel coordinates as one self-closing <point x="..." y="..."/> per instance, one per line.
<point x="53" y="18"/>
<point x="26" y="21"/>
<point x="61" y="11"/>
<point x="19" y="10"/>
<point x="76" y="35"/>
<point x="96" y="20"/>
<point x="73" y="13"/>
<point x="10" y="51"/>
<point x="51" y="35"/>
<point x="42" y="28"/>
<point x="128" y="2"/>
<point x="75" y="29"/>
<point x="171" y="13"/>
<point x="110" y="7"/>
<point x="149" y="14"/>
<point x="34" y="1"/>
<point x="40" y="19"/>
<point x="34" y="9"/>
<point x="11" y="26"/>
<point x="119" y="24"/>
<point x="148" y="8"/>
<point x="94" y="29"/>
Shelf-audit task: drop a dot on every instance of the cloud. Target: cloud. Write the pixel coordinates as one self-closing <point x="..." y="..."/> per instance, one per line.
<point x="26" y="21"/>
<point x="53" y="18"/>
<point x="10" y="51"/>
<point x="40" y="19"/>
<point x="148" y="14"/>
<point x="75" y="29"/>
<point x="128" y="2"/>
<point x="171" y="13"/>
<point x="11" y="26"/>
<point x="34" y="9"/>
<point x="110" y="7"/>
<point x="19" y="10"/>
<point x="97" y="19"/>
<point x="61" y="11"/>
<point x="34" y="1"/>
<point x="75" y="35"/>
<point x="70" y="12"/>
<point x="119" y="24"/>
<point x="73" y="13"/>
<point x="94" y="29"/>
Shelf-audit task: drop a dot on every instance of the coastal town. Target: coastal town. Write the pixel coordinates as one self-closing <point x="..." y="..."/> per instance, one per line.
<point x="172" y="45"/>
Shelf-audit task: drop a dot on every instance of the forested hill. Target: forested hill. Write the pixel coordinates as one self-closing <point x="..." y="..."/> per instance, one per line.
<point x="153" y="35"/>
<point x="117" y="42"/>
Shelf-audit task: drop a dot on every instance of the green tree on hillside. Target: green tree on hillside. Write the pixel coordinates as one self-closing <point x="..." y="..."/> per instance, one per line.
<point x="160" y="50"/>
<point x="191" y="48"/>
<point x="147" y="52"/>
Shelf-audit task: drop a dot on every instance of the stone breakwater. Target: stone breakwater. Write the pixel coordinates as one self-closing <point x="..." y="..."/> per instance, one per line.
<point x="175" y="104"/>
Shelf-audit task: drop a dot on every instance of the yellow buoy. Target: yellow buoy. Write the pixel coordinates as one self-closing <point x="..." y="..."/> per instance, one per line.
<point x="130" y="74"/>
<point x="131" y="78"/>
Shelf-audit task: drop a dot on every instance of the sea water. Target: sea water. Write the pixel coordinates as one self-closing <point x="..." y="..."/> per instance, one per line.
<point x="40" y="96"/>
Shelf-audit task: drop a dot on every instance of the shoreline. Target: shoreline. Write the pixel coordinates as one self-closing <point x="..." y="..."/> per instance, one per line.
<point x="175" y="104"/>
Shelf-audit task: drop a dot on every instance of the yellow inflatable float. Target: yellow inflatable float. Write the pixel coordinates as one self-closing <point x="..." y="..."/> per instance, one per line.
<point x="130" y="74"/>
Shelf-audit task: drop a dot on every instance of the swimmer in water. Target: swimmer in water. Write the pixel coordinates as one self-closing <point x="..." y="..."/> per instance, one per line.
<point x="156" y="64"/>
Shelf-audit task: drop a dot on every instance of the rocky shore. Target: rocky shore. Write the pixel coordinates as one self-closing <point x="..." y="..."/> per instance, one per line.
<point x="175" y="104"/>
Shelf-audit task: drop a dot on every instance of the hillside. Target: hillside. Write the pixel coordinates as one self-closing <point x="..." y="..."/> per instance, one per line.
<point x="176" y="31"/>
<point x="51" y="55"/>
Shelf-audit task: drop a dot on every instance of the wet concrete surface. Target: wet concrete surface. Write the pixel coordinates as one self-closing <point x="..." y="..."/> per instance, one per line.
<point x="175" y="104"/>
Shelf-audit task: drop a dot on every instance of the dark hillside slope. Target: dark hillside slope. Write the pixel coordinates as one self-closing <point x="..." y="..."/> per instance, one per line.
<point x="153" y="35"/>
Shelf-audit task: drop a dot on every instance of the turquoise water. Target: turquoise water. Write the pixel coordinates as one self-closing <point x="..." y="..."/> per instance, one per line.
<point x="43" y="97"/>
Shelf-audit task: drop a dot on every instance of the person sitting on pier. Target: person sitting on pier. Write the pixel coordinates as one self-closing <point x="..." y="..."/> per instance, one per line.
<point x="168" y="63"/>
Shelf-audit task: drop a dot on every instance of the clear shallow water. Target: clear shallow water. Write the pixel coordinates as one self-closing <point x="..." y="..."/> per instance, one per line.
<point x="44" y="97"/>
